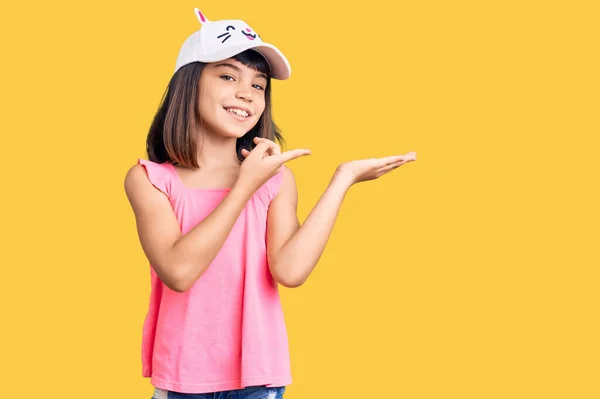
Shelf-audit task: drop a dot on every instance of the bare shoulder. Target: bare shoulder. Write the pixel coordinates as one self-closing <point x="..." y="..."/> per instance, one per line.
<point x="139" y="189"/>
<point x="288" y="187"/>
<point x="134" y="176"/>
<point x="287" y="173"/>
<point x="135" y="180"/>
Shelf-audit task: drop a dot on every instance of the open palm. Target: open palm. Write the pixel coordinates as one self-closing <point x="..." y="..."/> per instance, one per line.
<point x="373" y="168"/>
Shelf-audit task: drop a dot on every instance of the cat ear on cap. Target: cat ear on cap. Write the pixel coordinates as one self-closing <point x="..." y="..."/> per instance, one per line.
<point x="200" y="16"/>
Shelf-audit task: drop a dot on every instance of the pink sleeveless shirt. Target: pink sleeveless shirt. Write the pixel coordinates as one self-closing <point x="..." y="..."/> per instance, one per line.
<point x="228" y="330"/>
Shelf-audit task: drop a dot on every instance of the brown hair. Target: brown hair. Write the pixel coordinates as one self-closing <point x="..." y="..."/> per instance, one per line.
<point x="173" y="133"/>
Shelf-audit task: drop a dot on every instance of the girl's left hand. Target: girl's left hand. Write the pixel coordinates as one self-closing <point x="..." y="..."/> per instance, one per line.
<point x="373" y="168"/>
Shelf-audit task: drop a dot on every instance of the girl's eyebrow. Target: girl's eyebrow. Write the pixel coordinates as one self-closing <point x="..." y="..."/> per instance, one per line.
<point x="226" y="64"/>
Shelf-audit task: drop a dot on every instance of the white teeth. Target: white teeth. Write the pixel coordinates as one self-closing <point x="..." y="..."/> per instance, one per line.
<point x="238" y="112"/>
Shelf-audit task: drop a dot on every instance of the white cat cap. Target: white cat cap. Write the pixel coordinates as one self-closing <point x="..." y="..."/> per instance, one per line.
<point x="219" y="40"/>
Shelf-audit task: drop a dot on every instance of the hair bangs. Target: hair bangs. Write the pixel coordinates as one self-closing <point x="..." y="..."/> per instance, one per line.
<point x="254" y="60"/>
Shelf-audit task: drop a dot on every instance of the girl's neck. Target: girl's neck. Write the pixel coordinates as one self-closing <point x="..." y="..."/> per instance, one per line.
<point x="217" y="152"/>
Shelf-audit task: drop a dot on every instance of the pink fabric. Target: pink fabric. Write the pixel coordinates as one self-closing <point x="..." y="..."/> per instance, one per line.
<point x="228" y="330"/>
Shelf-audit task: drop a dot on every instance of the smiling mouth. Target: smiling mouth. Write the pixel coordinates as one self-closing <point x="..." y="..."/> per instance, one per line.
<point x="249" y="35"/>
<point x="239" y="113"/>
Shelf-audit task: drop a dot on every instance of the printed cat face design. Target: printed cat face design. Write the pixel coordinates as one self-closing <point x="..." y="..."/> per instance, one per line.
<point x="229" y="31"/>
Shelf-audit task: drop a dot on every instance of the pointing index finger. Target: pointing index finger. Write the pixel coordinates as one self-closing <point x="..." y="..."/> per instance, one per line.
<point x="292" y="154"/>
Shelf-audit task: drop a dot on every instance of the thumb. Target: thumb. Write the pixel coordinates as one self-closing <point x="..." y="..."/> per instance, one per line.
<point x="260" y="149"/>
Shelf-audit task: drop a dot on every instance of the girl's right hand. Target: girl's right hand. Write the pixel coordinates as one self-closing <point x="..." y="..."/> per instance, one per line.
<point x="264" y="161"/>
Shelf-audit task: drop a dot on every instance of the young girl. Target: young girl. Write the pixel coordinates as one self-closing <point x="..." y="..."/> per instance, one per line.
<point x="215" y="211"/>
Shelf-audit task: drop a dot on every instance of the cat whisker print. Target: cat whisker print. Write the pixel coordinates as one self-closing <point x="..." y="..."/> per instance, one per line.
<point x="227" y="34"/>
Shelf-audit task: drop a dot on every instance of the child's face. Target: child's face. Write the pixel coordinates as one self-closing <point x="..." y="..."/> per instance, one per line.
<point x="232" y="98"/>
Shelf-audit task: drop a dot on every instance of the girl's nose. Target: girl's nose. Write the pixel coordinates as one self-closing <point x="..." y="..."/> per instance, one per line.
<point x="244" y="95"/>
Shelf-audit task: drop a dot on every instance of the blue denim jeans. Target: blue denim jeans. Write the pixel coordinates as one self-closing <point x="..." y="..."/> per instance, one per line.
<point x="259" y="392"/>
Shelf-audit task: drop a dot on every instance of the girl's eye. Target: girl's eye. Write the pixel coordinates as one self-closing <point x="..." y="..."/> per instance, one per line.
<point x="229" y="78"/>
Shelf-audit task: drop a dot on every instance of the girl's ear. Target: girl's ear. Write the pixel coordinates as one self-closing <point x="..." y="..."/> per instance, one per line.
<point x="200" y="16"/>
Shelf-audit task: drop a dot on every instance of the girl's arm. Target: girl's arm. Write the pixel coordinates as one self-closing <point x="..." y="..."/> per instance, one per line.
<point x="294" y="250"/>
<point x="179" y="260"/>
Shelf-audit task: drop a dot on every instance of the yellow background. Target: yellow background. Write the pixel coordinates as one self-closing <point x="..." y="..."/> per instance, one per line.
<point x="470" y="273"/>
